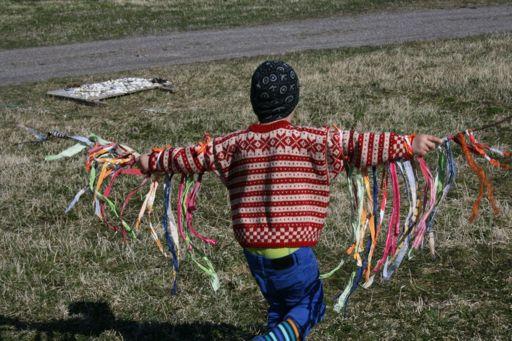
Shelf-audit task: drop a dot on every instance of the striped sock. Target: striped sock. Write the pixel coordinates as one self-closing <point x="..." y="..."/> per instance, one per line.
<point x="284" y="331"/>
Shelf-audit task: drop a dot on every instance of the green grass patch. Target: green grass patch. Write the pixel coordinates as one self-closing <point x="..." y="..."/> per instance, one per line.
<point x="50" y="22"/>
<point x="68" y="276"/>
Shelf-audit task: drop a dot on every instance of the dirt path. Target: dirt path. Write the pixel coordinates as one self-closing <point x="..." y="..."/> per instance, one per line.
<point x="34" y="64"/>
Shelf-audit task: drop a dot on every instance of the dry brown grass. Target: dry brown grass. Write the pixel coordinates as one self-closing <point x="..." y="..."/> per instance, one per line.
<point x="49" y="261"/>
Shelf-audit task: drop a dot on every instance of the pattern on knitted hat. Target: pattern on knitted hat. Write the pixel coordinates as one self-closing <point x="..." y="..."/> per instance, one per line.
<point x="274" y="90"/>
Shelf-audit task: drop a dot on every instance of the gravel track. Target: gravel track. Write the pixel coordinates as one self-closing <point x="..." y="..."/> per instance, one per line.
<point x="41" y="63"/>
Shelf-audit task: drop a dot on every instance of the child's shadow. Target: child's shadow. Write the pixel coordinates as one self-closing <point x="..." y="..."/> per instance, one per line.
<point x="94" y="318"/>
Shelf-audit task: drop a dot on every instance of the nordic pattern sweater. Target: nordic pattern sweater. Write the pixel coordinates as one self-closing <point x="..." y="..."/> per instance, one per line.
<point x="278" y="175"/>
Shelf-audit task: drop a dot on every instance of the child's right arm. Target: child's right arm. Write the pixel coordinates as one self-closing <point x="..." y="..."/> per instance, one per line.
<point x="212" y="154"/>
<point x="192" y="159"/>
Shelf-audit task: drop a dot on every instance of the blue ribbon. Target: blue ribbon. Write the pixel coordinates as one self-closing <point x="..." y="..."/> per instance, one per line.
<point x="165" y="225"/>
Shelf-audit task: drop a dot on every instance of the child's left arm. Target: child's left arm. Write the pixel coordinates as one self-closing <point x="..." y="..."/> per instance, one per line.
<point x="371" y="149"/>
<point x="422" y="144"/>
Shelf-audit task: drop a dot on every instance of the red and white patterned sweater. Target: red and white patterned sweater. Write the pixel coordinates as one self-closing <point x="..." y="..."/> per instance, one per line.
<point x="278" y="175"/>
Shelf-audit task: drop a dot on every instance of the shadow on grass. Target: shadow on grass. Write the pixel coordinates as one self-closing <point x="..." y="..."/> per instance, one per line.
<point x="91" y="319"/>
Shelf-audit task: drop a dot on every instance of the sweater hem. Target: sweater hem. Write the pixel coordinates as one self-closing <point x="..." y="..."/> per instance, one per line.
<point x="277" y="245"/>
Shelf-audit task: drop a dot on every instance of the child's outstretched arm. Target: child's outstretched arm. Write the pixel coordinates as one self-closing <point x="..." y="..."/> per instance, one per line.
<point x="422" y="144"/>
<point x="372" y="149"/>
<point x="185" y="160"/>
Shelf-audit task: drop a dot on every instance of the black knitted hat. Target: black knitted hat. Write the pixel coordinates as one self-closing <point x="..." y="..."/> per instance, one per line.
<point x="274" y="91"/>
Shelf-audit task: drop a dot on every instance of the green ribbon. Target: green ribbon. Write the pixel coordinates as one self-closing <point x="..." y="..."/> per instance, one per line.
<point x="113" y="209"/>
<point x="356" y="191"/>
<point x="92" y="178"/>
<point x="69" y="152"/>
<point x="441" y="172"/>
<point x="330" y="273"/>
<point x="342" y="299"/>
<point x="207" y="266"/>
<point x="76" y="148"/>
<point x="98" y="139"/>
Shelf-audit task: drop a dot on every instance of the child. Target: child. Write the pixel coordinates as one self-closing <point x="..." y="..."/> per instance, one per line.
<point x="278" y="179"/>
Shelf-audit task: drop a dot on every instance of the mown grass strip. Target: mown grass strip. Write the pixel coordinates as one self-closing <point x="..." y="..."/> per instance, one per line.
<point x="51" y="22"/>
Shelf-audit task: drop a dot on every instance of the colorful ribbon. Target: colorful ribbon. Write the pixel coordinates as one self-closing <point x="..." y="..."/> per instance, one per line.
<point x="107" y="161"/>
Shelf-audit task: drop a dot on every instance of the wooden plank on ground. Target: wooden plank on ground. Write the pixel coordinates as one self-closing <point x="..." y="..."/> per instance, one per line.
<point x="94" y="93"/>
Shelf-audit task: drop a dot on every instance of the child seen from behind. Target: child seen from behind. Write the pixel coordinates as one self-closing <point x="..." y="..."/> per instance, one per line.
<point x="278" y="177"/>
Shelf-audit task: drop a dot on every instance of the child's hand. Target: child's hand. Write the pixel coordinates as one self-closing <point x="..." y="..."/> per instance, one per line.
<point x="143" y="163"/>
<point x="422" y="144"/>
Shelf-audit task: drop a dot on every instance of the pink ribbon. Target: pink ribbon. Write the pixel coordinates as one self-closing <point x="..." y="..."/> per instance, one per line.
<point x="394" y="222"/>
<point x="179" y="210"/>
<point x="429" y="183"/>
<point x="108" y="190"/>
<point x="191" y="207"/>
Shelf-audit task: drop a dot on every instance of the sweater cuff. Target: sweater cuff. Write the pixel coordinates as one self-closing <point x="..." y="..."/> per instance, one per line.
<point x="408" y="145"/>
<point x="155" y="160"/>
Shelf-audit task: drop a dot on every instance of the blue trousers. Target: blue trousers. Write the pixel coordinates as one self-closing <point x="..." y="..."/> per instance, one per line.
<point x="293" y="290"/>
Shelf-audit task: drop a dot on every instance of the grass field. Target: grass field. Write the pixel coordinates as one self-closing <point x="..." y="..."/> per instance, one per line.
<point x="68" y="276"/>
<point x="49" y="22"/>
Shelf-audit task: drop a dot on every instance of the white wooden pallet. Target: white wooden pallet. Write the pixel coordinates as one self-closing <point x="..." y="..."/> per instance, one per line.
<point x="96" y="92"/>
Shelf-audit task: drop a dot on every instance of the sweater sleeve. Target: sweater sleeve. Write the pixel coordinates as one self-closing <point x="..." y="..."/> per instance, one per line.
<point x="212" y="154"/>
<point x="365" y="149"/>
<point x="192" y="159"/>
